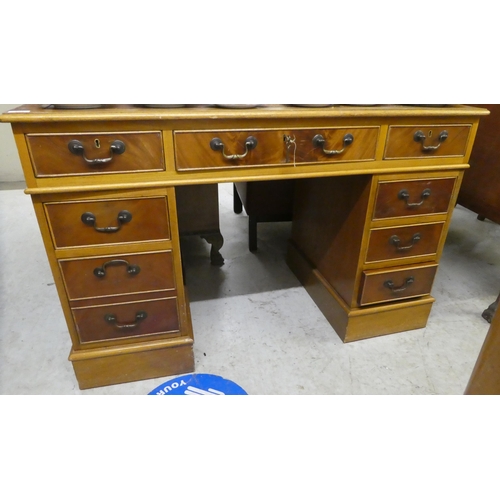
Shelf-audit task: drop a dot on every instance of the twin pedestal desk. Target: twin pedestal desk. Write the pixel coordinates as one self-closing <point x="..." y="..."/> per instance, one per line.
<point x="375" y="190"/>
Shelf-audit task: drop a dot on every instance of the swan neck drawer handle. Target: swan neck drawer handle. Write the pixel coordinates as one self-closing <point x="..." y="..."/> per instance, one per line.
<point x="394" y="240"/>
<point x="78" y="149"/>
<point x="89" y="219"/>
<point x="421" y="137"/>
<point x="405" y="195"/>
<point x="216" y="144"/>
<point x="319" y="142"/>
<point x="113" y="320"/>
<point x="132" y="269"/>
<point x="394" y="289"/>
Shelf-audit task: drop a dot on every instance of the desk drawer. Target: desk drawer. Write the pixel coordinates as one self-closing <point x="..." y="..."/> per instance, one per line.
<point x="126" y="320"/>
<point x="95" y="153"/>
<point x="335" y="144"/>
<point x="107" y="276"/>
<point x="103" y="222"/>
<point x="388" y="285"/>
<point x="421" y="141"/>
<point x="404" y="241"/>
<point x="228" y="149"/>
<point x="413" y="197"/>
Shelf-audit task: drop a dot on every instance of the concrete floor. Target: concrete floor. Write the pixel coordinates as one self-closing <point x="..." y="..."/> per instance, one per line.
<point x="253" y="322"/>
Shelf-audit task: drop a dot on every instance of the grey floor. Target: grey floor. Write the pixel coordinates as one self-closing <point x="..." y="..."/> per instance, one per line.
<point x="253" y="322"/>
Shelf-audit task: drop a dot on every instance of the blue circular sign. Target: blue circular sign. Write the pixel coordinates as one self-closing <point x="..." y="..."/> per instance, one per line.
<point x="198" y="384"/>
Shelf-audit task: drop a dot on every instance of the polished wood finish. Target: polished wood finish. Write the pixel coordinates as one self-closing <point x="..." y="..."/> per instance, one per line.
<point x="149" y="221"/>
<point x="407" y="282"/>
<point x="341" y="200"/>
<point x="390" y="204"/>
<point x="156" y="273"/>
<point x="161" y="317"/>
<point x="52" y="157"/>
<point x="404" y="242"/>
<point x="401" y="142"/>
<point x="124" y="365"/>
<point x="485" y="378"/>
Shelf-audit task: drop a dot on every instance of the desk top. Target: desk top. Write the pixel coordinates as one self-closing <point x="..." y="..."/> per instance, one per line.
<point x="116" y="112"/>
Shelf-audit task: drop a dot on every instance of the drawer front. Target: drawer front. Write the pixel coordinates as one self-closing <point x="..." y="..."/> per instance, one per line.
<point x="395" y="284"/>
<point x="404" y="241"/>
<point x="334" y="145"/>
<point x="99" y="153"/>
<point x="422" y="141"/>
<point x="228" y="149"/>
<point x="413" y="197"/>
<point x="118" y="275"/>
<point x="84" y="223"/>
<point x="132" y="319"/>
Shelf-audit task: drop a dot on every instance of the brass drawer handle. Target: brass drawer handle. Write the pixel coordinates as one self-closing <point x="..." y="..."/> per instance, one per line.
<point x="132" y="269"/>
<point x="89" y="219"/>
<point x="319" y="142"/>
<point x="421" y="137"/>
<point x="113" y="320"/>
<point x="216" y="144"/>
<point x="405" y="195"/>
<point x="390" y="285"/>
<point x="77" y="148"/>
<point x="394" y="240"/>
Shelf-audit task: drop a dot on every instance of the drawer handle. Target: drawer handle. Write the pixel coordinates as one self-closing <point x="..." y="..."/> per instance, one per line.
<point x="89" y="219"/>
<point x="217" y="145"/>
<point x="132" y="269"/>
<point x="394" y="240"/>
<point x="113" y="320"/>
<point x="390" y="285"/>
<point x="319" y="142"/>
<point x="405" y="195"/>
<point x="421" y="137"/>
<point x="77" y="148"/>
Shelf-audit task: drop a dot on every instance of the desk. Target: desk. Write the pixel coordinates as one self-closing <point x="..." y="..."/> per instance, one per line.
<point x="375" y="189"/>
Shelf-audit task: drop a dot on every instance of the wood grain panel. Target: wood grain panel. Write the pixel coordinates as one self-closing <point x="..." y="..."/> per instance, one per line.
<point x="155" y="273"/>
<point x="162" y="317"/>
<point x="401" y="143"/>
<point x="374" y="289"/>
<point x="382" y="246"/>
<point x="51" y="156"/>
<point x="363" y="147"/>
<point x="149" y="221"/>
<point x="389" y="203"/>
<point x="193" y="151"/>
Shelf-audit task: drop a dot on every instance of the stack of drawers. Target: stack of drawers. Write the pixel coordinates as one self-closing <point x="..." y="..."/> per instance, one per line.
<point x="115" y="257"/>
<point x="406" y="235"/>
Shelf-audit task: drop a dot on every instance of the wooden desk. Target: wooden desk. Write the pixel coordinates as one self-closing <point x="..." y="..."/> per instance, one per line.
<point x="375" y="190"/>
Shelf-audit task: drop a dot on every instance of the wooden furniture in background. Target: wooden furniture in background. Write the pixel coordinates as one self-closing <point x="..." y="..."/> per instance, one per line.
<point x="485" y="378"/>
<point x="375" y="188"/>
<point x="198" y="214"/>
<point x="480" y="191"/>
<point x="263" y="201"/>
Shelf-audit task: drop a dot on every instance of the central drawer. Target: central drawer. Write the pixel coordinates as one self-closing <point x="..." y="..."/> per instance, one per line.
<point x="110" y="221"/>
<point x="244" y="148"/>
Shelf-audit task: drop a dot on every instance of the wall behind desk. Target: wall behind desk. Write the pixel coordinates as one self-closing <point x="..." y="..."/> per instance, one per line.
<point x="10" y="166"/>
